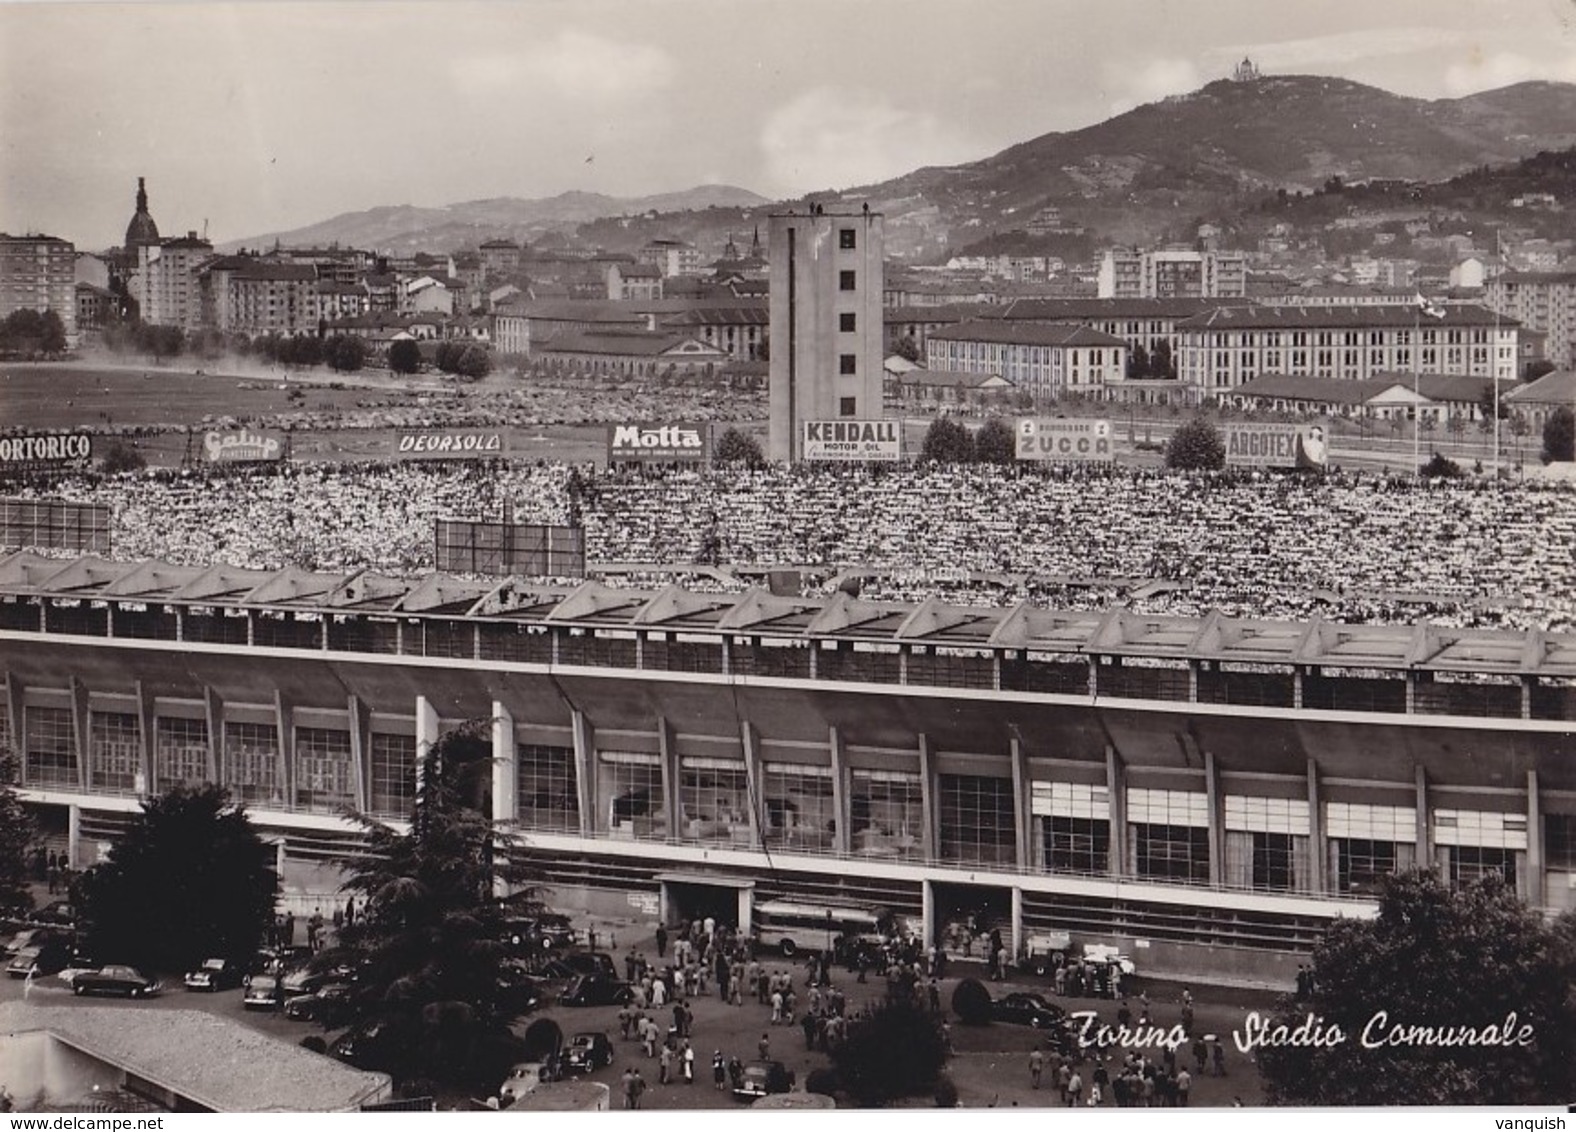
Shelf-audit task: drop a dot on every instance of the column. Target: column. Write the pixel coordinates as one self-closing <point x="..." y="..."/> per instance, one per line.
<point x="1318" y="848"/>
<point x="1534" y="889"/>
<point x="73" y="836"/>
<point x="841" y="835"/>
<point x="927" y="912"/>
<point x="426" y="738"/>
<point x="1020" y="810"/>
<point x="1017" y="922"/>
<point x="1425" y="838"/>
<point x="752" y="781"/>
<point x="928" y="807"/>
<point x="667" y="750"/>
<point x="360" y="748"/>
<point x="79" y="727"/>
<point x="213" y="714"/>
<point x="1116" y="788"/>
<point x="584" y="740"/>
<point x="13" y="694"/>
<point x="1217" y="841"/>
<point x="145" y="779"/>
<point x="505" y="766"/>
<point x="746" y="908"/>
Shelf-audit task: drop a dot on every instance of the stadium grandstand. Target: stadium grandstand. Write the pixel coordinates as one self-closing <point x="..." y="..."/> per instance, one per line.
<point x="1205" y="793"/>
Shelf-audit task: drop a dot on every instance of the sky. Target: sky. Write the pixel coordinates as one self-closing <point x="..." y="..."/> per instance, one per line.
<point x="257" y="117"/>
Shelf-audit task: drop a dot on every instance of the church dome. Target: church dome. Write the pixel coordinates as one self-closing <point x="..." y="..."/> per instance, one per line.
<point x="142" y="231"/>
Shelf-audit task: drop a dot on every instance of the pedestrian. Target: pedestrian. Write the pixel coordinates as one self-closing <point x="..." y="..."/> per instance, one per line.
<point x="1074" y="1089"/>
<point x="628" y="1081"/>
<point x="1036" y="1066"/>
<point x="687" y="1057"/>
<point x="640" y="1087"/>
<point x="764" y="1046"/>
<point x="719" y="1070"/>
<point x="664" y="1065"/>
<point x="1218" y="1055"/>
<point x="1184" y="1086"/>
<point x="777" y="1007"/>
<point x="662" y="941"/>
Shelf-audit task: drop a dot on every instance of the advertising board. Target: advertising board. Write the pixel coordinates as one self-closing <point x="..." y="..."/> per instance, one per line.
<point x="1065" y="440"/>
<point x="658" y="442"/>
<point x="853" y="440"/>
<point x="32" y="449"/>
<point x="1276" y="445"/>
<point x="242" y="446"/>
<point x="452" y="444"/>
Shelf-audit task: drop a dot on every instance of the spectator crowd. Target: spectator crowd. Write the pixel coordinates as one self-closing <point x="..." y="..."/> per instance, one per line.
<point x="1354" y="547"/>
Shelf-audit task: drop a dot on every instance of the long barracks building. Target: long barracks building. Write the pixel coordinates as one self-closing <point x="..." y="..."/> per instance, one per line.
<point x="1205" y="793"/>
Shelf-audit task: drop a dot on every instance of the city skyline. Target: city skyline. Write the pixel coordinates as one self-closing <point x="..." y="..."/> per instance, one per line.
<point x="333" y="107"/>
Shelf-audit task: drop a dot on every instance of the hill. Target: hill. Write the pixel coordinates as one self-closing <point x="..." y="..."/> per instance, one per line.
<point x="401" y="228"/>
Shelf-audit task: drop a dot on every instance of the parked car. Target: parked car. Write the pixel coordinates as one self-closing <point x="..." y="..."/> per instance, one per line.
<point x="594" y="990"/>
<point x="762" y="1078"/>
<point x="587" y="1052"/>
<point x="1024" y="1008"/>
<point x="49" y="957"/>
<point x="308" y="979"/>
<point x="78" y="965"/>
<point x="595" y="963"/>
<point x="522" y="1079"/>
<point x="57" y="914"/>
<point x="328" y="1006"/>
<point x="263" y="992"/>
<point x="116" y="979"/>
<point x="547" y="931"/>
<point x="214" y="975"/>
<point x="519" y="992"/>
<point x="278" y="960"/>
<point x="369" y="1045"/>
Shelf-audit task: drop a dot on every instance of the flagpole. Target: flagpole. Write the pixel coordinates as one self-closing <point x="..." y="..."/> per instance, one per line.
<point x="1493" y="352"/>
<point x="1417" y="396"/>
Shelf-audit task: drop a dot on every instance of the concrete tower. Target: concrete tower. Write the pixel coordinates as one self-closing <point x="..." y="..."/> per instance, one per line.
<point x="826" y="284"/>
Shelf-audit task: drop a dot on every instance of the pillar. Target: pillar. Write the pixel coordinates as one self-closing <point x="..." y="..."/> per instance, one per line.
<point x="213" y="714"/>
<point x="842" y="843"/>
<point x="1534" y="889"/>
<point x="73" y="836"/>
<point x="1425" y="839"/>
<point x="753" y="783"/>
<point x="79" y="727"/>
<point x="1318" y="848"/>
<point x="360" y="749"/>
<point x="1116" y="789"/>
<point x="1021" y="810"/>
<point x="668" y="752"/>
<point x="426" y="738"/>
<point x="927" y="798"/>
<point x="927" y="912"/>
<point x="505" y="766"/>
<point x="1216" y="803"/>
<point x="1017" y="922"/>
<point x="145" y="780"/>
<point x="584" y="739"/>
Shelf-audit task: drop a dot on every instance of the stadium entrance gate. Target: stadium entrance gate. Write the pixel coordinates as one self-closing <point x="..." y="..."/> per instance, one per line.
<point x="695" y="896"/>
<point x="966" y="914"/>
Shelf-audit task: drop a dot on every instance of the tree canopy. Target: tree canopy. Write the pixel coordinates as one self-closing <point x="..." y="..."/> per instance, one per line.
<point x="1559" y="436"/>
<point x="190" y="880"/>
<point x="427" y="944"/>
<point x="31" y="333"/>
<point x="995" y="443"/>
<point x="947" y="441"/>
<point x="404" y="356"/>
<point x="1475" y="957"/>
<point x="737" y="447"/>
<point x="16" y="839"/>
<point x="1196" y="445"/>
<point x="898" y="1050"/>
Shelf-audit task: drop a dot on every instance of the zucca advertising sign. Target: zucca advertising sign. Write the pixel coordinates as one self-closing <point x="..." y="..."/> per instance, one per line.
<point x="452" y="444"/>
<point x="46" y="448"/>
<point x="1064" y="440"/>
<point x="853" y="440"/>
<point x="242" y="446"/>
<point x="1277" y="445"/>
<point x="658" y="442"/>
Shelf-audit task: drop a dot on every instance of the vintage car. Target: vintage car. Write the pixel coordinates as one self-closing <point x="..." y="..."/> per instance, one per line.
<point x="116" y="979"/>
<point x="596" y="990"/>
<point x="213" y="975"/>
<point x="587" y="1052"/>
<point x="762" y="1078"/>
<point x="263" y="992"/>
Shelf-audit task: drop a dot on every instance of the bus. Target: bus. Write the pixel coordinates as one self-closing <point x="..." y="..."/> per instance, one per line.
<point x="790" y="926"/>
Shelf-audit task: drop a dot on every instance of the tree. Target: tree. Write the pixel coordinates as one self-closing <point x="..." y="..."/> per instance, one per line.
<point x="907" y="349"/>
<point x="1475" y="957"/>
<point x="947" y="442"/>
<point x="52" y="334"/>
<point x="735" y="447"/>
<point x="995" y="443"/>
<point x="190" y="880"/>
<point x="120" y="456"/>
<point x="1487" y="404"/>
<point x="1161" y="362"/>
<point x="897" y="1051"/>
<point x="1534" y="370"/>
<point x="1138" y="363"/>
<point x="473" y="361"/>
<point x="1196" y="444"/>
<point x="428" y="942"/>
<point x="1440" y="466"/>
<point x="345" y="353"/>
<point x="1559" y="436"/>
<point x="16" y="840"/>
<point x="404" y="356"/>
<point x="971" y="1002"/>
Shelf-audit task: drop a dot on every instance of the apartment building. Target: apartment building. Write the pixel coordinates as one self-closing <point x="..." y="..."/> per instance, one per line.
<point x="39" y="273"/>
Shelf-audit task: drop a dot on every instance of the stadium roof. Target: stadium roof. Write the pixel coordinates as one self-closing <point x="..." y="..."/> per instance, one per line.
<point x="594" y="606"/>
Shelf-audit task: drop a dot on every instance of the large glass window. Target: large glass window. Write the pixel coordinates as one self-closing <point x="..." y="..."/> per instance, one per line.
<point x="714" y="800"/>
<point x="1361" y="864"/>
<point x="887" y="813"/>
<point x="629" y="794"/>
<point x="180" y="749"/>
<point x="1168" y="834"/>
<point x="799" y="808"/>
<point x="547" y="790"/>
<point x="1468" y="863"/>
<point x="1267" y="843"/>
<point x="251" y="759"/>
<point x="393" y="774"/>
<point x="1559" y="840"/>
<point x="114" y="750"/>
<point x="51" y="746"/>
<point x="325" y="777"/>
<point x="1076" y="845"/>
<point x="977" y="819"/>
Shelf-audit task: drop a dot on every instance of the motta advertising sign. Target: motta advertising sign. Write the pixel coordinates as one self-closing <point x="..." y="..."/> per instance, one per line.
<point x="452" y="444"/>
<point x="53" y="448"/>
<point x="242" y="446"/>
<point x="1064" y="440"/>
<point x="658" y="442"/>
<point x="1277" y="445"/>
<point x="853" y="440"/>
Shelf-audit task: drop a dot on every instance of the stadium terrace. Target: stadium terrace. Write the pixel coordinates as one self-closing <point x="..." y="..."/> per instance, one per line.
<point x="1205" y="793"/>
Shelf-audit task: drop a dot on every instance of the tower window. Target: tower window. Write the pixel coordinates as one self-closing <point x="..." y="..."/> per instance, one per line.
<point x="845" y="322"/>
<point x="845" y="363"/>
<point x="846" y="239"/>
<point x="846" y="281"/>
<point x="847" y="406"/>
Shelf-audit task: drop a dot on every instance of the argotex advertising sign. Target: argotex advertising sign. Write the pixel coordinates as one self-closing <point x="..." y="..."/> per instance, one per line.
<point x="1064" y="440"/>
<point x="853" y="440"/>
<point x="243" y="446"/>
<point x="452" y="444"/>
<point x="658" y="442"/>
<point x="1277" y="445"/>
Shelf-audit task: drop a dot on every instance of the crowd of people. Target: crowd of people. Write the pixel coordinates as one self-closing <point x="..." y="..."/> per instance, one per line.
<point x="1354" y="547"/>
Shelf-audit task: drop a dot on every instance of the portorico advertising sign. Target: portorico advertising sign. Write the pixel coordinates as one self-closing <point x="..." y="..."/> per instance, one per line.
<point x="1064" y="440"/>
<point x="1277" y="445"/>
<point x="242" y="446"/>
<point x="658" y="442"/>
<point x="452" y="444"/>
<point x="56" y="448"/>
<point x="853" y="440"/>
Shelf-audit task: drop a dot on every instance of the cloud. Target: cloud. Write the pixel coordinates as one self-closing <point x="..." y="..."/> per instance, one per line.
<point x="1132" y="85"/>
<point x="573" y="64"/>
<point x="1504" y="68"/>
<point x="1334" y="53"/>
<point x="831" y="137"/>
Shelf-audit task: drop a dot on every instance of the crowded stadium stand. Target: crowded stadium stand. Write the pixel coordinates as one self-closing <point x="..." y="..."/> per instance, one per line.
<point x="1206" y="792"/>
